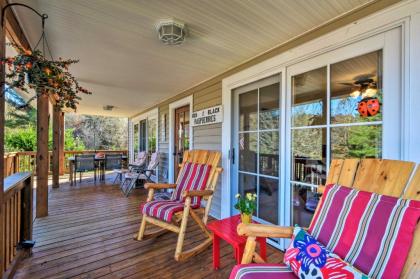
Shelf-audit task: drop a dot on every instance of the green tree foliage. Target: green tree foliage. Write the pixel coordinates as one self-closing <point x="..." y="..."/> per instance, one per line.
<point x="99" y="132"/>
<point x="24" y="139"/>
<point x="20" y="139"/>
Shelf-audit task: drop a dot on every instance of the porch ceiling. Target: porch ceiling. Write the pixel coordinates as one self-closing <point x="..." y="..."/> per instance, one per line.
<point x="125" y="65"/>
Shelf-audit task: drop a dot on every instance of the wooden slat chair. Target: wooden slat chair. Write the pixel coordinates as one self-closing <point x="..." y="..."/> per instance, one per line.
<point x="179" y="220"/>
<point x="387" y="177"/>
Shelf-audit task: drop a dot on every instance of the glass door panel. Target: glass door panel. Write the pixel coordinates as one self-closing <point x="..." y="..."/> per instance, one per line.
<point x="256" y="135"/>
<point x="136" y="140"/>
<point x="143" y="135"/>
<point x="342" y="120"/>
<point x="182" y="137"/>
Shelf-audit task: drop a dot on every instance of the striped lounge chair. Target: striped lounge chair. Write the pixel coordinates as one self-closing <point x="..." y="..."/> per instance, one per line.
<point x="196" y="182"/>
<point x="367" y="218"/>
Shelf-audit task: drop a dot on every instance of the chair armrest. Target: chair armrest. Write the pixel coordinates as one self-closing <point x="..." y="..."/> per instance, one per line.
<point x="321" y="189"/>
<point x="258" y="230"/>
<point x="159" y="186"/>
<point x="202" y="193"/>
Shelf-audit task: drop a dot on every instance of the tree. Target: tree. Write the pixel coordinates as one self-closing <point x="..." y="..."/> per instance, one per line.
<point x="99" y="132"/>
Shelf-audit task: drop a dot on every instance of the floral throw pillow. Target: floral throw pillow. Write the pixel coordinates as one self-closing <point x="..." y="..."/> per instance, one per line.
<point x="310" y="259"/>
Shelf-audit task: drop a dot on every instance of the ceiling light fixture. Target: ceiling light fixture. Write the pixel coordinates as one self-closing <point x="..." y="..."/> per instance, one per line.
<point x="108" y="107"/>
<point x="171" y="31"/>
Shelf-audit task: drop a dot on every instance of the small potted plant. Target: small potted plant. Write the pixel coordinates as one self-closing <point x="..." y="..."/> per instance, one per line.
<point x="247" y="206"/>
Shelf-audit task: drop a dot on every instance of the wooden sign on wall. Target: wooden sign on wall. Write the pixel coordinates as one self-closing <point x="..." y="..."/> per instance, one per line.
<point x="207" y="116"/>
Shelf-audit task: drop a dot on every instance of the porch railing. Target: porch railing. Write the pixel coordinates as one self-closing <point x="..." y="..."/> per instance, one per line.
<point x="17" y="219"/>
<point x="26" y="161"/>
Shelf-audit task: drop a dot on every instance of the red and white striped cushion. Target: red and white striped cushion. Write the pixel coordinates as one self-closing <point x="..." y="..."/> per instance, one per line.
<point x="163" y="210"/>
<point x="192" y="177"/>
<point x="261" y="271"/>
<point x="370" y="231"/>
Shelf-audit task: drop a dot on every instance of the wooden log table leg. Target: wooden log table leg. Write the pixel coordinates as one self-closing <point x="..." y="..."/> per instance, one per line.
<point x="216" y="251"/>
<point x="240" y="253"/>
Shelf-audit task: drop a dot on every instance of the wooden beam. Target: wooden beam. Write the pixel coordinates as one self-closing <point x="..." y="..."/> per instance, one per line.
<point x="56" y="148"/>
<point x="2" y="120"/>
<point x="61" y="145"/>
<point x="42" y="156"/>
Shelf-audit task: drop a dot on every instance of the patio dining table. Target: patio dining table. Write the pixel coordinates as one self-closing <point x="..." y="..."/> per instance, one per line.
<point x="100" y="165"/>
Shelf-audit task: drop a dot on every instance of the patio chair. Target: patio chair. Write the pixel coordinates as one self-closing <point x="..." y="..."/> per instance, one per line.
<point x="197" y="180"/>
<point x="137" y="164"/>
<point x="371" y="176"/>
<point x="111" y="162"/>
<point x="130" y="178"/>
<point x="84" y="163"/>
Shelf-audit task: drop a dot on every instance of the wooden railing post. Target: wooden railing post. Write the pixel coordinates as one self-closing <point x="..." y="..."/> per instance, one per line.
<point x="27" y="209"/>
<point x="61" y="144"/>
<point x="56" y="148"/>
<point x="2" y="120"/>
<point x="42" y="156"/>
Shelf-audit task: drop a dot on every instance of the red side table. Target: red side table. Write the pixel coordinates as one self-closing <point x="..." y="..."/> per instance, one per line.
<point x="226" y="229"/>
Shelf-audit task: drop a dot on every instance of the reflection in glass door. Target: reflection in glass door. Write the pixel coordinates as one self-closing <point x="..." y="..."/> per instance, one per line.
<point x="143" y="135"/>
<point x="256" y="163"/>
<point x="328" y="123"/>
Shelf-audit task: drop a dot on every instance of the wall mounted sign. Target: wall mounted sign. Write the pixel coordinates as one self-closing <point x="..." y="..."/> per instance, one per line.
<point x="207" y="116"/>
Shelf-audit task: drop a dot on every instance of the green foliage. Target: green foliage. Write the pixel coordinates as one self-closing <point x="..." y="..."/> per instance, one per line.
<point x="71" y="142"/>
<point x="247" y="204"/>
<point x="24" y="139"/>
<point x="98" y="132"/>
<point x="20" y="139"/>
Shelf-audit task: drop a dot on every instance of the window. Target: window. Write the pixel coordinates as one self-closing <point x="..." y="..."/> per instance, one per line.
<point x="136" y="140"/>
<point x="342" y="120"/>
<point x="151" y="135"/>
<point x="143" y="135"/>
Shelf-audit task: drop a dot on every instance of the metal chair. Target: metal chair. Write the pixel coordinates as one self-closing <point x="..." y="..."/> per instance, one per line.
<point x="111" y="162"/>
<point x="85" y="163"/>
<point x="130" y="178"/>
<point x="139" y="163"/>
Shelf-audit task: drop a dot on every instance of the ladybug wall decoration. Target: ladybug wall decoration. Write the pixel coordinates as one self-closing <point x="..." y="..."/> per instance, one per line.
<point x="369" y="106"/>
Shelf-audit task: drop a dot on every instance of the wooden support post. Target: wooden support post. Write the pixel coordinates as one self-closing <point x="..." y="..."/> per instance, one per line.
<point x="2" y="120"/>
<point x="42" y="156"/>
<point x="56" y="148"/>
<point x="61" y="145"/>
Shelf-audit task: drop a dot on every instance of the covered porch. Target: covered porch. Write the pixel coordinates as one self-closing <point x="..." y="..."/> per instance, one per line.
<point x="290" y="95"/>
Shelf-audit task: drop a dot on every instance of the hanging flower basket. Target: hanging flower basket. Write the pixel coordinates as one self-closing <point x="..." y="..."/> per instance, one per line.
<point x="31" y="70"/>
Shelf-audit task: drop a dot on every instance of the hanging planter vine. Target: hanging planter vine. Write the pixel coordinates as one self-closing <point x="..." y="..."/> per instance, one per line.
<point x="31" y="70"/>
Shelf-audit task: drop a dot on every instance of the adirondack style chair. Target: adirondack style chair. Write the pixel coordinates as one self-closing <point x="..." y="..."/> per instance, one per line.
<point x="384" y="177"/>
<point x="197" y="180"/>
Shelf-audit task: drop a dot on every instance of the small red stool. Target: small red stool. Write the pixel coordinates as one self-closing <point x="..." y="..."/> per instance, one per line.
<point x="226" y="229"/>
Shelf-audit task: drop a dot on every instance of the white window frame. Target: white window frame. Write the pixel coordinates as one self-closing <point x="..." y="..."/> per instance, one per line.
<point x="379" y="23"/>
<point x="392" y="137"/>
<point x="172" y="107"/>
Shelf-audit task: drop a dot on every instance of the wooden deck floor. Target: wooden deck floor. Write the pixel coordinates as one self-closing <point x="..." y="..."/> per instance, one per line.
<point x="89" y="234"/>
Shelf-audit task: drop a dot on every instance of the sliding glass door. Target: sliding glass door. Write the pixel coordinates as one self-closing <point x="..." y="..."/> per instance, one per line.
<point x="345" y="103"/>
<point x="256" y="146"/>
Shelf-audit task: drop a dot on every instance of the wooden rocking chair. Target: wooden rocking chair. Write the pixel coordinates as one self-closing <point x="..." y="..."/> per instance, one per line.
<point x="179" y="220"/>
<point x="387" y="177"/>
